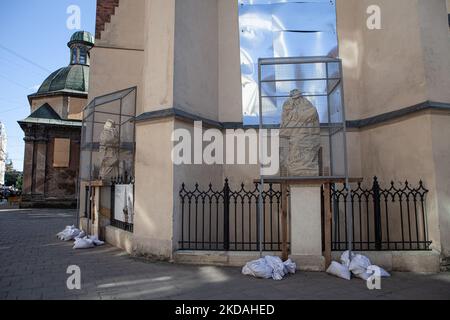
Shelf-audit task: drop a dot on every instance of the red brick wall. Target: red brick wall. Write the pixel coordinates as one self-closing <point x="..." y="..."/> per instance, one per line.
<point x="105" y="9"/>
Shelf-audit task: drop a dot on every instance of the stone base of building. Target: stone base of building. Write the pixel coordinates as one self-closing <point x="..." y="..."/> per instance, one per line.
<point x="309" y="263"/>
<point x="43" y="203"/>
<point x="119" y="238"/>
<point x="402" y="261"/>
<point x="219" y="258"/>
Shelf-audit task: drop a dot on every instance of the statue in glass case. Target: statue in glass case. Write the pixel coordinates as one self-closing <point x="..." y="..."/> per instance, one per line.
<point x="299" y="137"/>
<point x="109" y="149"/>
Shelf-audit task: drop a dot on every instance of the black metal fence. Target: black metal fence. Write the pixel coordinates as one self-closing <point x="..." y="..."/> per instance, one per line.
<point x="384" y="219"/>
<point x="126" y="221"/>
<point x="228" y="219"/>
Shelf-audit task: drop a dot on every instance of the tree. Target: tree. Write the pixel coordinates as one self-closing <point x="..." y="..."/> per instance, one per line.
<point x="13" y="178"/>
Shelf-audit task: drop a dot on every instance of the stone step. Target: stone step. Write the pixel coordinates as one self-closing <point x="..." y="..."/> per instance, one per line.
<point x="445" y="264"/>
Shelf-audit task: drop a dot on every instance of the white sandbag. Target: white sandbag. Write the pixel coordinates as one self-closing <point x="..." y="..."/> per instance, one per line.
<point x="96" y="241"/>
<point x="269" y="267"/>
<point x="376" y="269"/>
<point x="68" y="234"/>
<point x="290" y="267"/>
<point x="345" y="258"/>
<point x="373" y="270"/>
<point x="384" y="273"/>
<point x="364" y="276"/>
<point x="277" y="267"/>
<point x="81" y="235"/>
<point x="84" y="243"/>
<point x="359" y="264"/>
<point x="339" y="270"/>
<point x="258" y="268"/>
<point x="61" y="235"/>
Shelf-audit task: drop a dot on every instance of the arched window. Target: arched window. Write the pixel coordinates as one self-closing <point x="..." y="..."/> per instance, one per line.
<point x="83" y="55"/>
<point x="74" y="56"/>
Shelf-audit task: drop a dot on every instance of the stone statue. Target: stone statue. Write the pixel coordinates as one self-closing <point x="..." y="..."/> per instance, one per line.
<point x="299" y="137"/>
<point x="109" y="149"/>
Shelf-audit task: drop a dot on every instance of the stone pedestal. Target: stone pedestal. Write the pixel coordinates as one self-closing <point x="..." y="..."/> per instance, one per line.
<point x="306" y="228"/>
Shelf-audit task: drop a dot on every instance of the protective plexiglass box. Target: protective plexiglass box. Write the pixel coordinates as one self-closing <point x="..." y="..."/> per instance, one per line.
<point x="318" y="80"/>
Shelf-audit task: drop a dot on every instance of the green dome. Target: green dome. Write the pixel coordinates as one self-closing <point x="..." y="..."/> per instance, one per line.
<point x="71" y="78"/>
<point x="82" y="37"/>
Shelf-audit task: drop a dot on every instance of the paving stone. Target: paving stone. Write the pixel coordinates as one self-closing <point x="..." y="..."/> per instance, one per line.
<point x="33" y="264"/>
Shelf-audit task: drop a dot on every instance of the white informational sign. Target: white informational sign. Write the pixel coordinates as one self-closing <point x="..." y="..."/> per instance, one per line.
<point x="124" y="203"/>
<point x="3" y="142"/>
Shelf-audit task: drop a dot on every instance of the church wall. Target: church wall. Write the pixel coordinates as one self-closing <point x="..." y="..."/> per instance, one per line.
<point x="154" y="195"/>
<point x="350" y="39"/>
<point x="440" y="127"/>
<point x="118" y="57"/>
<point x="158" y="69"/>
<point x="379" y="78"/>
<point x="230" y="92"/>
<point x="125" y="29"/>
<point x="404" y="150"/>
<point x="196" y="57"/>
<point x="190" y="175"/>
<point x="378" y="75"/>
<point x="377" y="63"/>
<point x="75" y="109"/>
<point x="436" y="48"/>
<point x="57" y="103"/>
<point x="191" y="61"/>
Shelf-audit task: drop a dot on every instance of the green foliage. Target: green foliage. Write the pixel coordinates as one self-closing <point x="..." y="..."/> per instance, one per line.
<point x="13" y="177"/>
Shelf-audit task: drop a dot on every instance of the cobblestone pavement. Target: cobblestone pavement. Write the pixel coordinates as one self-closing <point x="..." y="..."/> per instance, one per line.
<point x="33" y="265"/>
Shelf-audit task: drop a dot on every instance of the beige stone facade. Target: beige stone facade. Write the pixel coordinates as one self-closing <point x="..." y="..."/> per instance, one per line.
<point x="184" y="55"/>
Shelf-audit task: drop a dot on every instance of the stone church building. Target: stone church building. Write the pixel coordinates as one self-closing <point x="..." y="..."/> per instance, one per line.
<point x="185" y="59"/>
<point x="53" y="131"/>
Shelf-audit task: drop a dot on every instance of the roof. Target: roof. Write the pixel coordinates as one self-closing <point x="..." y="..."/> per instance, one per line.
<point x="70" y="78"/>
<point x="45" y="114"/>
<point x="82" y="37"/>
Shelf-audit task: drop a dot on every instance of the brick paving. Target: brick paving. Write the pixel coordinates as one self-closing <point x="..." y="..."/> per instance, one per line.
<point x="33" y="265"/>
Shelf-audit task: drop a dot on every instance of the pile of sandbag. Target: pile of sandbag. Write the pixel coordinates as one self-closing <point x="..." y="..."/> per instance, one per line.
<point x="70" y="233"/>
<point x="359" y="265"/>
<point x="82" y="241"/>
<point x="269" y="267"/>
<point x="87" y="242"/>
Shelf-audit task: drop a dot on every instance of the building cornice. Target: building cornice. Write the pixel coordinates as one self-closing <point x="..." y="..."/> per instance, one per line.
<point x="397" y="114"/>
<point x="64" y="93"/>
<point x="352" y="124"/>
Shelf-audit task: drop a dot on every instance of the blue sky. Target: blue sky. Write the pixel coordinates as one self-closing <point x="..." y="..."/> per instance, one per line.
<point x="37" y="33"/>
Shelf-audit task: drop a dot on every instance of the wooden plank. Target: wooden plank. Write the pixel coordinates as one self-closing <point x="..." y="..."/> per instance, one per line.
<point x="284" y="222"/>
<point x="328" y="219"/>
<point x="307" y="180"/>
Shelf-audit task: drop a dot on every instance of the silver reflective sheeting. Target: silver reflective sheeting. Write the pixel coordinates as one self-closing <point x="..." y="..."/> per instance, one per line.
<point x="284" y="28"/>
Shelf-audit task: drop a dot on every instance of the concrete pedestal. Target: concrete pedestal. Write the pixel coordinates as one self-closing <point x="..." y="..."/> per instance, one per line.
<point x="306" y="228"/>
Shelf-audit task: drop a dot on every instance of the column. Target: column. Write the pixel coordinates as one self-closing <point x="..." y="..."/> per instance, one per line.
<point x="306" y="228"/>
<point x="41" y="160"/>
<point x="28" y="164"/>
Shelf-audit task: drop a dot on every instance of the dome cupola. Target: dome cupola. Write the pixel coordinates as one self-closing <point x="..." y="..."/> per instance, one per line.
<point x="80" y="44"/>
<point x="75" y="77"/>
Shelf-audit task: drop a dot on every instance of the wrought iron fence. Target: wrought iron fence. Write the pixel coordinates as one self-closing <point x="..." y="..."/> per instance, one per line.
<point x="125" y="221"/>
<point x="228" y="219"/>
<point x="384" y="219"/>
